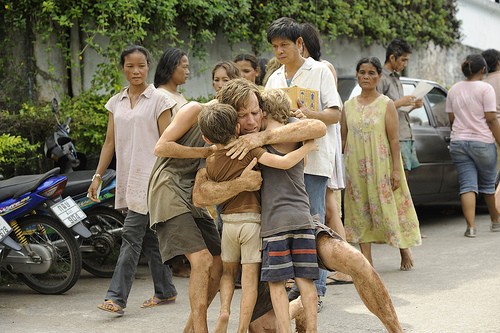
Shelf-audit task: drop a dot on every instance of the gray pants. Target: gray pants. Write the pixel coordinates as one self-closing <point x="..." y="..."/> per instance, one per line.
<point x="138" y="236"/>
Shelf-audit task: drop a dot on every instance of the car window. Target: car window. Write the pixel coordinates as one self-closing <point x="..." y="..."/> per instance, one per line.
<point x="417" y="116"/>
<point x="437" y="101"/>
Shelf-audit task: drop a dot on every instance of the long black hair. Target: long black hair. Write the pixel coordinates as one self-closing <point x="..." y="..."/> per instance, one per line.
<point x="169" y="60"/>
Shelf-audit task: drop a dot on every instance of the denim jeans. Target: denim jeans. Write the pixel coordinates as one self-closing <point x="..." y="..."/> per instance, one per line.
<point x="138" y="236"/>
<point x="316" y="190"/>
<point x="476" y="164"/>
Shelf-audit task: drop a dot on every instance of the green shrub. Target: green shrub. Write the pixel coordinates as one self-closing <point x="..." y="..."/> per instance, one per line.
<point x="32" y="122"/>
<point x="30" y="126"/>
<point x="90" y="120"/>
<point x="16" y="155"/>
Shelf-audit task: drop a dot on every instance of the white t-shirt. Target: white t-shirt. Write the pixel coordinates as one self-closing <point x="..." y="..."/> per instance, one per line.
<point x="315" y="75"/>
<point x="136" y="134"/>
<point x="468" y="101"/>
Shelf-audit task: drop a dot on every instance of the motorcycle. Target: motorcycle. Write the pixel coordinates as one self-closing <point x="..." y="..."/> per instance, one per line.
<point x="5" y="239"/>
<point x="48" y="229"/>
<point x="100" y="251"/>
<point x="59" y="147"/>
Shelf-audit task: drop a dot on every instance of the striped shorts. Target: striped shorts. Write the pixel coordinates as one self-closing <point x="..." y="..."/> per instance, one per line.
<point x="289" y="254"/>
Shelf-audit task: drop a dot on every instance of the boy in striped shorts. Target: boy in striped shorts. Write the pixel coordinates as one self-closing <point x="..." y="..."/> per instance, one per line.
<point x="240" y="215"/>
<point x="287" y="229"/>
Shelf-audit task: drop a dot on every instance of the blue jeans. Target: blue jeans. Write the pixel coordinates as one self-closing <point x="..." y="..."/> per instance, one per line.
<point x="476" y="164"/>
<point x="316" y="190"/>
<point x="138" y="236"/>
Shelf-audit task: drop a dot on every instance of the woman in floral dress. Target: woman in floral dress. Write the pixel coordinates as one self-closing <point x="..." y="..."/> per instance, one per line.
<point x="378" y="205"/>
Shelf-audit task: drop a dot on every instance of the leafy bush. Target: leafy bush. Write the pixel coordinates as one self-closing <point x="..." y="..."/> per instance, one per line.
<point x="16" y="153"/>
<point x="32" y="122"/>
<point x="21" y="150"/>
<point x="90" y="120"/>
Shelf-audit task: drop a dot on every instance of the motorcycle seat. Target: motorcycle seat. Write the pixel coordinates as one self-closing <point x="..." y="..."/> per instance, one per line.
<point x="16" y="186"/>
<point x="79" y="181"/>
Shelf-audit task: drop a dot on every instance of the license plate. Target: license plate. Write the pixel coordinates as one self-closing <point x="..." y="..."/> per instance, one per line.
<point x="68" y="212"/>
<point x="5" y="228"/>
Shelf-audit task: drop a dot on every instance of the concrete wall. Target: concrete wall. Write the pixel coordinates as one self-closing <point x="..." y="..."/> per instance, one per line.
<point x="50" y="73"/>
<point x="428" y="62"/>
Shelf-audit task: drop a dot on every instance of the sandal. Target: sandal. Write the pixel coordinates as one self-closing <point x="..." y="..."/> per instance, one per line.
<point x="112" y="307"/>
<point x="154" y="301"/>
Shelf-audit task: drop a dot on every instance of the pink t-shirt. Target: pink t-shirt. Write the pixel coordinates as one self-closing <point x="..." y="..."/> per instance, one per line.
<point x="468" y="101"/>
<point x="494" y="80"/>
<point x="136" y="134"/>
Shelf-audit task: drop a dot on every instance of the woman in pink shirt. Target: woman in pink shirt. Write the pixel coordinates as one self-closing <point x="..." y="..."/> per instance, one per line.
<point x="137" y="116"/>
<point x="471" y="106"/>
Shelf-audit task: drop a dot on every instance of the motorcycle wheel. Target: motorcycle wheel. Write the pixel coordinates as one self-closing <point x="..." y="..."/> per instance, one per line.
<point x="105" y="224"/>
<point x="67" y="260"/>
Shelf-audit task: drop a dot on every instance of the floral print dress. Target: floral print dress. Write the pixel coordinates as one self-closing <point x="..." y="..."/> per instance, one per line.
<point x="373" y="212"/>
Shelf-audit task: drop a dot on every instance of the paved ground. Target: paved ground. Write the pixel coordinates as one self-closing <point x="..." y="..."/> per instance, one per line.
<point x="455" y="287"/>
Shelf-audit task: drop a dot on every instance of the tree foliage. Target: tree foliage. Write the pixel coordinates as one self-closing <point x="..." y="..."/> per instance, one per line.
<point x="15" y="152"/>
<point x="105" y="27"/>
<point x="123" y="22"/>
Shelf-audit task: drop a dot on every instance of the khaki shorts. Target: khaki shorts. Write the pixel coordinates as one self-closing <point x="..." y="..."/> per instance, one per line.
<point x="184" y="234"/>
<point x="241" y="240"/>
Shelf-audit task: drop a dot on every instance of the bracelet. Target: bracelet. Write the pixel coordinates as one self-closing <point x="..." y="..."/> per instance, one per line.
<point x="96" y="176"/>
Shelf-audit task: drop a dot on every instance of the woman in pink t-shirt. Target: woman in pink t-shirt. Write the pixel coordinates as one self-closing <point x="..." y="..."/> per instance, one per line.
<point x="137" y="116"/>
<point x="472" y="111"/>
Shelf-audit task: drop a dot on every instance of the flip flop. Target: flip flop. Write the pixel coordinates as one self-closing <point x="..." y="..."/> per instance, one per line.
<point x="110" y="306"/>
<point x="154" y="301"/>
<point x="332" y="281"/>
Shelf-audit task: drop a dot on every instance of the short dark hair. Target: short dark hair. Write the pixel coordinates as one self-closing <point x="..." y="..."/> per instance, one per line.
<point x="247" y="57"/>
<point x="167" y="64"/>
<point x="370" y="60"/>
<point x="312" y="40"/>
<point x="285" y="28"/>
<point x="135" y="48"/>
<point x="473" y="65"/>
<point x="218" y="122"/>
<point x="397" y="47"/>
<point x="492" y="58"/>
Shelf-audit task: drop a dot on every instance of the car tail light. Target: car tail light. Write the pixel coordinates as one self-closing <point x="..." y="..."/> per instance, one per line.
<point x="55" y="190"/>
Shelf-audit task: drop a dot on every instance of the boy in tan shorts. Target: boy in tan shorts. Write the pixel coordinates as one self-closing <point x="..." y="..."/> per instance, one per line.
<point x="241" y="240"/>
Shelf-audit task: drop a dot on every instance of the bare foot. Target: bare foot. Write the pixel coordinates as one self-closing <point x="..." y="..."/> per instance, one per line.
<point x="406" y="259"/>
<point x="295" y="308"/>
<point x="297" y="313"/>
<point x="222" y="323"/>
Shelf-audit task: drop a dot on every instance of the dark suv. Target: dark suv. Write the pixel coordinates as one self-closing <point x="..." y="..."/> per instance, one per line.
<point x="435" y="181"/>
